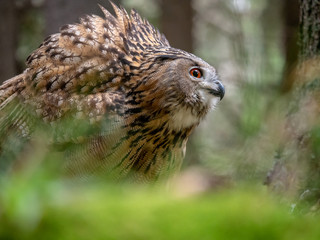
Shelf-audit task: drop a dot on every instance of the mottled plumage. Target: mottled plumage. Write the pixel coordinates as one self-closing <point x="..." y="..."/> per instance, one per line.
<point x="120" y="75"/>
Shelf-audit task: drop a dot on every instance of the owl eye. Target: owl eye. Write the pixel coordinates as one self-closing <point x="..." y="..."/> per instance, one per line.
<point x="195" y="72"/>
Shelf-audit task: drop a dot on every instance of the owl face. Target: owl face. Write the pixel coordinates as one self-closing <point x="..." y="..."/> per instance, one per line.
<point x="207" y="84"/>
<point x="193" y="88"/>
<point x="194" y="82"/>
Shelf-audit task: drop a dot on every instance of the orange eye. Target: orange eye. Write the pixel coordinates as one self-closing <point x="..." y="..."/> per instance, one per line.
<point x="196" y="72"/>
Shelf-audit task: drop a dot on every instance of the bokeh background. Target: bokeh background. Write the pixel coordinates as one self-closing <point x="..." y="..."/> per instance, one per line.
<point x="265" y="134"/>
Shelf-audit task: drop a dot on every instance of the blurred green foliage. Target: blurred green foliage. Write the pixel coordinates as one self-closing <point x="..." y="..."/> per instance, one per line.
<point x="37" y="205"/>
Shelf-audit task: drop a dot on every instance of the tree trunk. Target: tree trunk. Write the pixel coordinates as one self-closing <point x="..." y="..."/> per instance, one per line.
<point x="177" y="23"/>
<point x="298" y="164"/>
<point x="309" y="29"/>
<point x="7" y="39"/>
<point x="61" y="12"/>
<point x="290" y="39"/>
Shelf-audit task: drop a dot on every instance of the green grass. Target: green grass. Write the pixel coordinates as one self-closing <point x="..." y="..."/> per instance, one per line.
<point x="35" y="205"/>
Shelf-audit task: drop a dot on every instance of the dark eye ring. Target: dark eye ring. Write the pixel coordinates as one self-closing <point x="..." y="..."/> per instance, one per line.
<point x="195" y="72"/>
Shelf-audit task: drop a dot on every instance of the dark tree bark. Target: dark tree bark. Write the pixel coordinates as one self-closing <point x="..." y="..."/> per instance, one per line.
<point x="309" y="29"/>
<point x="298" y="164"/>
<point x="309" y="91"/>
<point x="61" y="12"/>
<point x="177" y="23"/>
<point x="291" y="30"/>
<point x="7" y="39"/>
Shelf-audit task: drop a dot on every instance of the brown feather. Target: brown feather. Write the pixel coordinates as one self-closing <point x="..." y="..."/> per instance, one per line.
<point x="120" y="77"/>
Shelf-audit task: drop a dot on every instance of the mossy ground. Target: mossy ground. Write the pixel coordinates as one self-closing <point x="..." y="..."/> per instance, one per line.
<point x="35" y="205"/>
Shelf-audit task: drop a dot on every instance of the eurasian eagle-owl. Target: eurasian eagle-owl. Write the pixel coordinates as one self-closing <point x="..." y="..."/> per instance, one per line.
<point x="140" y="97"/>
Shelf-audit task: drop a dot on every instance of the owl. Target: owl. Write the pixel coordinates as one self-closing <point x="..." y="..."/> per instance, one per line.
<point x="114" y="94"/>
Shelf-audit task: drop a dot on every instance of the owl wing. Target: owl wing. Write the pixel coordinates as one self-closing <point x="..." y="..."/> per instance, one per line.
<point x="77" y="81"/>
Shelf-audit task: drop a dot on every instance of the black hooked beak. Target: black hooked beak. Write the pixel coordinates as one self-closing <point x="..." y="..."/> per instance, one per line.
<point x="219" y="91"/>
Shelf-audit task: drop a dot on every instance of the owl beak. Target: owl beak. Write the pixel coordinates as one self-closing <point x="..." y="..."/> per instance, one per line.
<point x="218" y="90"/>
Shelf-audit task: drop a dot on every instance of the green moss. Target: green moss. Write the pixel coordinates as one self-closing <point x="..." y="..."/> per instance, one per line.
<point x="35" y="206"/>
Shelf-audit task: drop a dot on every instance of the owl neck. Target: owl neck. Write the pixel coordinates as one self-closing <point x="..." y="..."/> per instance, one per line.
<point x="182" y="119"/>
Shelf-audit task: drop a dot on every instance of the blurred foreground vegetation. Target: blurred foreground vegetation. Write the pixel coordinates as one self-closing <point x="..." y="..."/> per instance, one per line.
<point x="39" y="201"/>
<point x="36" y="205"/>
